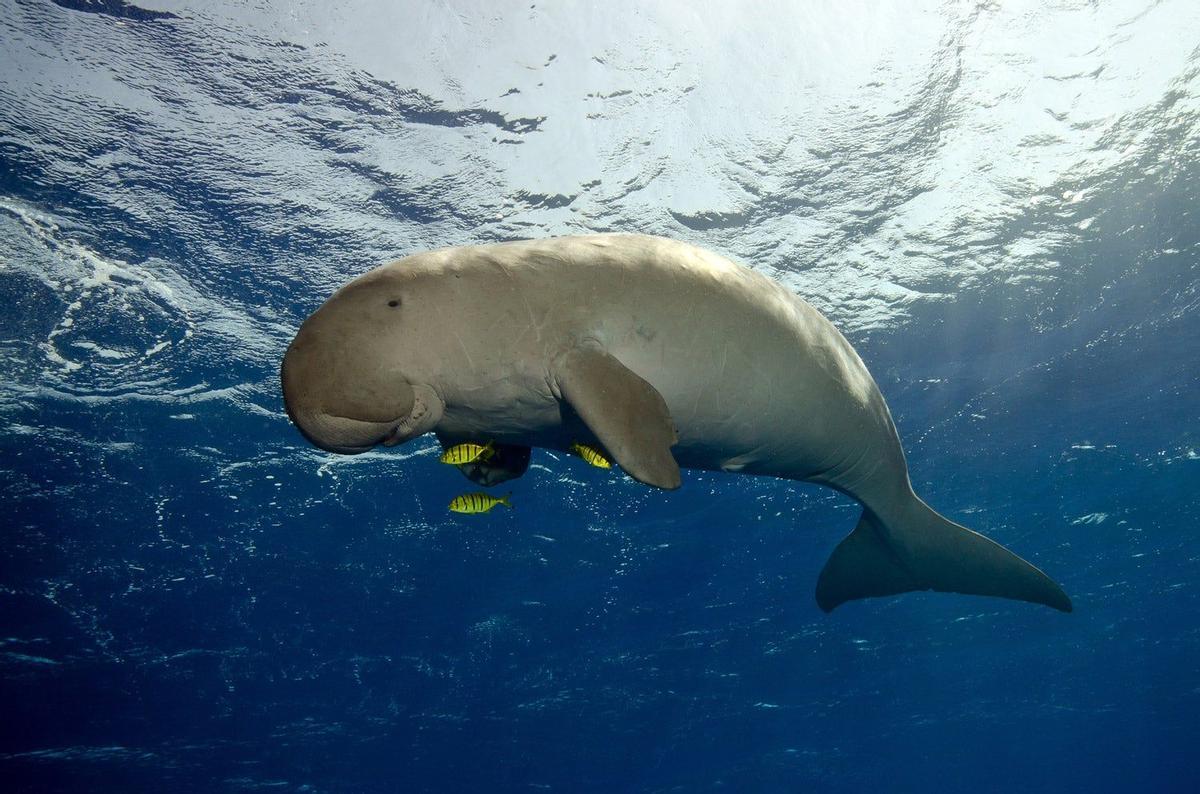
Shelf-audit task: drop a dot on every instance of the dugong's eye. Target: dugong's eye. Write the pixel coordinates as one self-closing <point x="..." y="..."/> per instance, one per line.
<point x="393" y="303"/>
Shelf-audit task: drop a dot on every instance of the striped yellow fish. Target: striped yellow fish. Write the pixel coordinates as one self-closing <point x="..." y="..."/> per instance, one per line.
<point x="460" y="454"/>
<point x="591" y="455"/>
<point x="477" y="502"/>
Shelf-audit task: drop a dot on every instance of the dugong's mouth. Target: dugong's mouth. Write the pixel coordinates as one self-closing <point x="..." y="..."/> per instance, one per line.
<point x="426" y="412"/>
<point x="345" y="435"/>
<point x="347" y="430"/>
<point x="393" y="433"/>
<point x="395" y="436"/>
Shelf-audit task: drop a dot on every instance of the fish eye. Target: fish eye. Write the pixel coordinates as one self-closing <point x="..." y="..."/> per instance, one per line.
<point x="393" y="303"/>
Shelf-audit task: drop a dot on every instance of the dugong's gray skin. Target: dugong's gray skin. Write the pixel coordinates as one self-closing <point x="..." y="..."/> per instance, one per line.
<point x="664" y="354"/>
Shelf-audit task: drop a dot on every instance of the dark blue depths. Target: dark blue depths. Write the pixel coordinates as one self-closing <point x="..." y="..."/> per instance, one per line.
<point x="191" y="599"/>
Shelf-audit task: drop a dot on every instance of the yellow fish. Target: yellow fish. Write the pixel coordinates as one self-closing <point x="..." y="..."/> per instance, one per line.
<point x="591" y="455"/>
<point x="477" y="503"/>
<point x="460" y="454"/>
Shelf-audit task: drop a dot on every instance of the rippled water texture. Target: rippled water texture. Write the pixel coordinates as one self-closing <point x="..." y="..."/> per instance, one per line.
<point x="995" y="201"/>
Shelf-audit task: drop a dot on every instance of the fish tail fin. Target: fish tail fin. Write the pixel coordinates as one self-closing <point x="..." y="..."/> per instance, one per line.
<point x="504" y="500"/>
<point x="921" y="550"/>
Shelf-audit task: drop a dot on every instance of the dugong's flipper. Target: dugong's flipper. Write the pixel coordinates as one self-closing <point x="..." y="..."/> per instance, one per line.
<point x="627" y="414"/>
<point x="917" y="549"/>
<point x="507" y="462"/>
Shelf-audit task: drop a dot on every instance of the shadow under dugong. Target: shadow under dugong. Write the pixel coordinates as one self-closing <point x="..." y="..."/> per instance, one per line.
<point x="664" y="354"/>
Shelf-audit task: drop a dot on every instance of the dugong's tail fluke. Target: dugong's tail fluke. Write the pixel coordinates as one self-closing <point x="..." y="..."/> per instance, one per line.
<point x="921" y="550"/>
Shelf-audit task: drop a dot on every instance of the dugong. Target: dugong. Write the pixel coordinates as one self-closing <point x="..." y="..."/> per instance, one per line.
<point x="664" y="354"/>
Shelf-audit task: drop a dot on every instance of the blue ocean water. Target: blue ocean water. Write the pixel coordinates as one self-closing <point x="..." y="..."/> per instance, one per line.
<point x="995" y="202"/>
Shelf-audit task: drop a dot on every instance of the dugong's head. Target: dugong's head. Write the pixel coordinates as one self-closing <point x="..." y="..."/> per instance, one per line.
<point x="352" y="377"/>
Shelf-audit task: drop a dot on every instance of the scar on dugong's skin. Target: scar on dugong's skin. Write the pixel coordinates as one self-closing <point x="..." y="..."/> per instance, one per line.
<point x="663" y="354"/>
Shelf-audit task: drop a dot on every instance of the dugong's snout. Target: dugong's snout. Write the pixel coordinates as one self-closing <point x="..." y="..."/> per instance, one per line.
<point x="343" y="404"/>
